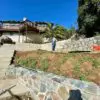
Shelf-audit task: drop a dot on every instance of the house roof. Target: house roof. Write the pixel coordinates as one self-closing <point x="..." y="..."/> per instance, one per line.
<point x="23" y="28"/>
<point x="17" y="30"/>
<point x="8" y="30"/>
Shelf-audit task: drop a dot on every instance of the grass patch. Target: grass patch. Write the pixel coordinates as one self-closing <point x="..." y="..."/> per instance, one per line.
<point x="83" y="77"/>
<point x="27" y="62"/>
<point x="44" y="64"/>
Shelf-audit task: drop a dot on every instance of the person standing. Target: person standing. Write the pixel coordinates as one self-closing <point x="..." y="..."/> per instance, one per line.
<point x="54" y="43"/>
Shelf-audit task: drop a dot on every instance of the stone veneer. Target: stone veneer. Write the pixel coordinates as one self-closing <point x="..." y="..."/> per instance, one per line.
<point x="82" y="44"/>
<point x="48" y="86"/>
<point x="25" y="96"/>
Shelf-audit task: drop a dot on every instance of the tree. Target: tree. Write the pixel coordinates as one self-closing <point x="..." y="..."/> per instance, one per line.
<point x="89" y="17"/>
<point x="49" y="30"/>
<point x="58" y="31"/>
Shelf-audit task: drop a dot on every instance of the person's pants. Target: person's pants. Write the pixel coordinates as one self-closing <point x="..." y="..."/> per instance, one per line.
<point x="53" y="47"/>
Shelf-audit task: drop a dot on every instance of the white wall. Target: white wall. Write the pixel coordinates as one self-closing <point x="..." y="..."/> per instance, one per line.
<point x="15" y="37"/>
<point x="22" y="38"/>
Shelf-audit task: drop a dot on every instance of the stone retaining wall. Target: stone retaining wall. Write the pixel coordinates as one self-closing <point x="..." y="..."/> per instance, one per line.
<point x="82" y="44"/>
<point x="47" y="86"/>
<point x="65" y="45"/>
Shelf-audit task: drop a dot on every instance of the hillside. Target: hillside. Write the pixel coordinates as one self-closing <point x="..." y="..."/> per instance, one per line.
<point x="83" y="66"/>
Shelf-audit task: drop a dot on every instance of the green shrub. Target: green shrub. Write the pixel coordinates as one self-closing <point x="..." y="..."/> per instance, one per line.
<point x="83" y="77"/>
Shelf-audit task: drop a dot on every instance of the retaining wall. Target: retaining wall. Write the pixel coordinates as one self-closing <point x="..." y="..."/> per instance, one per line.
<point x="47" y="86"/>
<point x="65" y="45"/>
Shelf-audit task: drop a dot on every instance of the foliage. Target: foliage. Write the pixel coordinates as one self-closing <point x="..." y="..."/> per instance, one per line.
<point x="89" y="17"/>
<point x="83" y="77"/>
<point x="59" y="32"/>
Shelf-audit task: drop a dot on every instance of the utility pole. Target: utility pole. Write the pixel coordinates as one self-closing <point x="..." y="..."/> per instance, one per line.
<point x="19" y="36"/>
<point x="25" y="23"/>
<point x="26" y="32"/>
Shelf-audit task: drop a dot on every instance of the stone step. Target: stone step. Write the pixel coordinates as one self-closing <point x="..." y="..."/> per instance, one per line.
<point x="2" y="74"/>
<point x="8" y="45"/>
<point x="3" y="67"/>
<point x="5" y="59"/>
<point x="5" y="52"/>
<point x="2" y="71"/>
<point x="2" y="59"/>
<point x="6" y="56"/>
<point x="8" y="48"/>
<point x="4" y="64"/>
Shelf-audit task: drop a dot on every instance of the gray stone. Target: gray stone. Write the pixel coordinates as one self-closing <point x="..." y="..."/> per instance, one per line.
<point x="43" y="87"/>
<point x="47" y="83"/>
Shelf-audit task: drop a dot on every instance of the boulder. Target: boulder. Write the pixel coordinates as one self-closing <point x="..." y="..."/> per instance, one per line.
<point x="6" y="39"/>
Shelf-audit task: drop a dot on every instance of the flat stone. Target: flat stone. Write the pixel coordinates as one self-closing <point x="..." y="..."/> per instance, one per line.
<point x="41" y="96"/>
<point x="92" y="89"/>
<point x="63" y="93"/>
<point x="43" y="87"/>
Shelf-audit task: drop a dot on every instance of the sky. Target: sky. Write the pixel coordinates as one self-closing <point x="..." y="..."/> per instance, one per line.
<point x="62" y="12"/>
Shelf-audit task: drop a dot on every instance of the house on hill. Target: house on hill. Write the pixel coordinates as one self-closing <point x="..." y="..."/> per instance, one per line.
<point x="22" y="31"/>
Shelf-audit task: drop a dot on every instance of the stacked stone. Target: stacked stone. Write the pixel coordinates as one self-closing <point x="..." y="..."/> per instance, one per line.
<point x="47" y="86"/>
<point x="82" y="44"/>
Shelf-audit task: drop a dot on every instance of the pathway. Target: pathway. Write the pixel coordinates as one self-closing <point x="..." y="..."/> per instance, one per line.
<point x="6" y="53"/>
